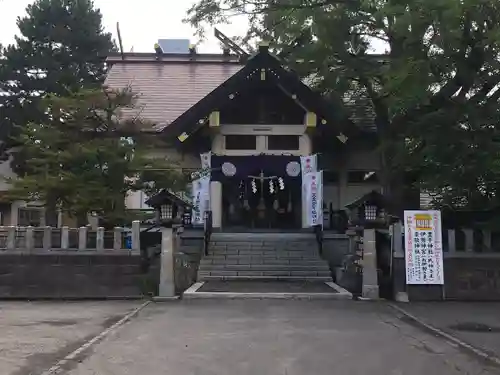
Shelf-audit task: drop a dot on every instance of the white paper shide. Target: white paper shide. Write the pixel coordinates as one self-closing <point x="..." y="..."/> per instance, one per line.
<point x="423" y="247"/>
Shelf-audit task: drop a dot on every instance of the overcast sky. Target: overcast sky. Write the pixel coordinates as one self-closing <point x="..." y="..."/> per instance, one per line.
<point x="142" y="22"/>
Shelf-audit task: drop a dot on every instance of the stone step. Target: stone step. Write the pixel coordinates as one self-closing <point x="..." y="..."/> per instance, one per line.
<point x="279" y="245"/>
<point x="262" y="252"/>
<point x="263" y="256"/>
<point x="265" y="278"/>
<point x="261" y="260"/>
<point x="255" y="237"/>
<point x="244" y="272"/>
<point x="217" y="249"/>
<point x="262" y="267"/>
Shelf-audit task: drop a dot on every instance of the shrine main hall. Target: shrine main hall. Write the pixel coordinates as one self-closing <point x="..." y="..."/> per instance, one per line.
<point x="256" y="117"/>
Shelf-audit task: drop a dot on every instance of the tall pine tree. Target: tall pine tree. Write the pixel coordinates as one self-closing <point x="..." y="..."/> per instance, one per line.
<point x="89" y="155"/>
<point x="60" y="49"/>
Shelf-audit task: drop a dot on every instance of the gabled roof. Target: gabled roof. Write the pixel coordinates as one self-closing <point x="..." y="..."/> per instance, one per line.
<point x="166" y="196"/>
<point x="250" y="75"/>
<point x="177" y="91"/>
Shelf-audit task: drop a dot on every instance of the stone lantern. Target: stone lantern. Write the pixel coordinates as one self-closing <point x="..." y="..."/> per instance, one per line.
<point x="368" y="211"/>
<point x="170" y="209"/>
<point x="366" y="215"/>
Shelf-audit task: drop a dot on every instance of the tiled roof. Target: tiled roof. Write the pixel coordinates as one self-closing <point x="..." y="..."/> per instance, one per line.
<point x="168" y="89"/>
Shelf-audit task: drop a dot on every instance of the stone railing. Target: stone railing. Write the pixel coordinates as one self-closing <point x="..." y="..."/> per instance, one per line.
<point x="65" y="238"/>
<point x="471" y="260"/>
<point x="457" y="242"/>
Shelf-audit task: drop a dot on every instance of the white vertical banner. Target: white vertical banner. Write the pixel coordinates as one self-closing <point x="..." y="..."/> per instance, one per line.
<point x="423" y="247"/>
<point x="201" y="199"/>
<point x="308" y="164"/>
<point x="313" y="190"/>
<point x="206" y="160"/>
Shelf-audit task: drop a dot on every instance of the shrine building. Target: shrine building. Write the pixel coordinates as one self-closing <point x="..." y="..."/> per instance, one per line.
<point x="256" y="117"/>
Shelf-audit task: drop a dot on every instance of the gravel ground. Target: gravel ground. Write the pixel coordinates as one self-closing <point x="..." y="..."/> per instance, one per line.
<point x="34" y="335"/>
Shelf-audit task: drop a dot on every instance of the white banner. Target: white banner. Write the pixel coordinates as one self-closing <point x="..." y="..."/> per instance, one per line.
<point x="313" y="193"/>
<point x="201" y="199"/>
<point x="423" y="247"/>
<point x="309" y="164"/>
<point x="206" y="160"/>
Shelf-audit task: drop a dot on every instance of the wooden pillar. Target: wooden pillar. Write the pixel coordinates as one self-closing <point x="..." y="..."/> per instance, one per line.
<point x="216" y="203"/>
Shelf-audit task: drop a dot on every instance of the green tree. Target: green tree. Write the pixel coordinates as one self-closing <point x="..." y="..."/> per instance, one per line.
<point x="60" y="48"/>
<point x="89" y="154"/>
<point x="433" y="91"/>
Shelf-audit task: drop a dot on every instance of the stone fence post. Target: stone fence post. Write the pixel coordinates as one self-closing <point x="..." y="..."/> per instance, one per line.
<point x="11" y="238"/>
<point x="82" y="238"/>
<point x="47" y="238"/>
<point x="99" y="243"/>
<point x="117" y="238"/>
<point x="136" y="232"/>
<point x="65" y="238"/>
<point x="29" y="239"/>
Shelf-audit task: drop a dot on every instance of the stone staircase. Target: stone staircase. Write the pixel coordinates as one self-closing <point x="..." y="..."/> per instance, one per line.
<point x="263" y="256"/>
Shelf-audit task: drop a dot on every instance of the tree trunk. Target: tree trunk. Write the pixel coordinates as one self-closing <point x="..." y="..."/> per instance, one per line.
<point x="51" y="213"/>
<point x="81" y="219"/>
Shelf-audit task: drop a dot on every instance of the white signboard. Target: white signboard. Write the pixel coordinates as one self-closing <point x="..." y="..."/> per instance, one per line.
<point x="308" y="164"/>
<point x="201" y="199"/>
<point x="313" y="192"/>
<point x="423" y="247"/>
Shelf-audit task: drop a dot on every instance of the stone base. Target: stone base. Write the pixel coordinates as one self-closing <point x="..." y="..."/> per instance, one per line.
<point x="370" y="291"/>
<point x="270" y="290"/>
<point x="401" y="297"/>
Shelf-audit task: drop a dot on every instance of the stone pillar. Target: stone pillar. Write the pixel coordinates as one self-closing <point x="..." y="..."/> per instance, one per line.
<point x="30" y="238"/>
<point x="117" y="238"/>
<point x="167" y="282"/>
<point x="398" y="264"/>
<point x="216" y="203"/>
<point x="486" y="240"/>
<point x="11" y="238"/>
<point x="47" y="238"/>
<point x="469" y="240"/>
<point x="136" y="233"/>
<point x="99" y="242"/>
<point x="64" y="238"/>
<point x="370" y="277"/>
<point x="82" y="238"/>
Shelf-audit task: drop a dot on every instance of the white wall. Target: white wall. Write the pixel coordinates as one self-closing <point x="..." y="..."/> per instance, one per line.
<point x="135" y="200"/>
<point x="5" y="172"/>
<point x="342" y="193"/>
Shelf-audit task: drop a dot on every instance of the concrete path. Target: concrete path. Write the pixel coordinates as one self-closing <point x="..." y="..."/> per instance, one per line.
<point x="477" y="324"/>
<point x="249" y="337"/>
<point x="35" y="335"/>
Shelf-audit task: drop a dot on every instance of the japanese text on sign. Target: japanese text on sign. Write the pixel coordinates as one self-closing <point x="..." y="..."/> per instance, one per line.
<point x="423" y="247"/>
